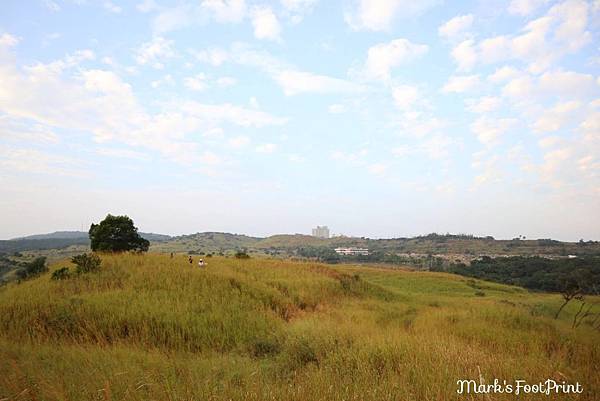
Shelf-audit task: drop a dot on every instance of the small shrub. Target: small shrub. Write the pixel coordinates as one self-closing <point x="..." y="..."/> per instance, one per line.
<point x="480" y="294"/>
<point x="300" y="353"/>
<point x="61" y="274"/>
<point x="86" y="263"/>
<point x="33" y="268"/>
<point x="264" y="347"/>
<point x="242" y="255"/>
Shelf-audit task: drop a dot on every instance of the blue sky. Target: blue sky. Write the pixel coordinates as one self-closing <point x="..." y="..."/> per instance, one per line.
<point x="378" y="118"/>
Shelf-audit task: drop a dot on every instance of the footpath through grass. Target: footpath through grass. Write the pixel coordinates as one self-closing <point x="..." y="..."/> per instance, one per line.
<point x="148" y="327"/>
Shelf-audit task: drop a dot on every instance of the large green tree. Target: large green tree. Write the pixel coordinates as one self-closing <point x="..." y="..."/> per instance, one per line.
<point x="116" y="234"/>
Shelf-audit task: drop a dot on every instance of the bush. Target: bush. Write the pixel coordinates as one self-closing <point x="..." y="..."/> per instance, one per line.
<point x="480" y="294"/>
<point x="242" y="255"/>
<point x="86" y="263"/>
<point x="61" y="274"/>
<point x="33" y="268"/>
<point x="116" y="234"/>
<point x="264" y="347"/>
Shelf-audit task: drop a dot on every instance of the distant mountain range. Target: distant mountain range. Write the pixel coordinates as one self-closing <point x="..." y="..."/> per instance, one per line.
<point x="286" y="244"/>
<point x="59" y="240"/>
<point x="84" y="234"/>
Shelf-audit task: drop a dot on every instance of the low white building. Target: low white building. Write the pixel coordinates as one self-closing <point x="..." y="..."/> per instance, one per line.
<point x="352" y="251"/>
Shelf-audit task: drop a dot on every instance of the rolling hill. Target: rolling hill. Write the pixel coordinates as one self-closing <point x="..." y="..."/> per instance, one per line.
<point x="59" y="240"/>
<point x="155" y="327"/>
<point x="433" y="244"/>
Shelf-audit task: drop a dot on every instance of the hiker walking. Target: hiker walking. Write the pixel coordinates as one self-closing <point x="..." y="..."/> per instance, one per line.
<point x="201" y="263"/>
<point x="191" y="260"/>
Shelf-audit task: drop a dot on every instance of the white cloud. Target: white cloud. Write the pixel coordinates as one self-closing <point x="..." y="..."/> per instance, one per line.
<point x="354" y="158"/>
<point x="266" y="148"/>
<point x="377" y="168"/>
<point x="28" y="160"/>
<point x="566" y="83"/>
<point x="383" y="57"/>
<point x="165" y="80"/>
<point x="215" y="57"/>
<point x="296" y="9"/>
<point x="465" y="55"/>
<point x="8" y="40"/>
<point x="122" y="153"/>
<point x="155" y="52"/>
<point x="549" y="141"/>
<point x="196" y="83"/>
<point x="51" y="5"/>
<point x="226" y="10"/>
<point x="238" y="141"/>
<point x="417" y="125"/>
<point x="265" y="23"/>
<point x="147" y="6"/>
<point x="435" y="147"/>
<point x="489" y="130"/>
<point x="503" y="74"/>
<point x="336" y="109"/>
<point x="287" y="76"/>
<point x="485" y="104"/>
<point x="554" y="118"/>
<point x="179" y="17"/>
<point x="225" y="82"/>
<point x="101" y="104"/>
<point x="525" y="7"/>
<point x="215" y="132"/>
<point x="461" y="84"/>
<point x="378" y="15"/>
<point x="111" y="7"/>
<point x="15" y="129"/>
<point x="186" y="14"/>
<point x="543" y="41"/>
<point x="298" y="5"/>
<point x="521" y="87"/>
<point x="297" y="82"/>
<point x="253" y="102"/>
<point x="456" y="27"/>
<point x="296" y="158"/>
<point x="405" y="96"/>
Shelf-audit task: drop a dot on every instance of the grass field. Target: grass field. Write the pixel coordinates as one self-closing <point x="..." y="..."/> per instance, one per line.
<point x="148" y="327"/>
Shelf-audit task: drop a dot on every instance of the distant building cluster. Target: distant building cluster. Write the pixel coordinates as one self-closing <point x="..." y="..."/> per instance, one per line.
<point x="320" y="232"/>
<point x="352" y="251"/>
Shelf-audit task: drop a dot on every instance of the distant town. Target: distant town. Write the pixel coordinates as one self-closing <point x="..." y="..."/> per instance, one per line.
<point x="323" y="232"/>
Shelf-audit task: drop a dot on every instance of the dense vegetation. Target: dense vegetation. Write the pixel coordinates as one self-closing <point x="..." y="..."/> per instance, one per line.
<point x="552" y="275"/>
<point x="153" y="327"/>
<point x="116" y="234"/>
<point x="432" y="244"/>
<point x="20" y="245"/>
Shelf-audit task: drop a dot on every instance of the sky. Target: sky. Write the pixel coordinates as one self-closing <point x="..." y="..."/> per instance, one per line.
<point x="378" y="118"/>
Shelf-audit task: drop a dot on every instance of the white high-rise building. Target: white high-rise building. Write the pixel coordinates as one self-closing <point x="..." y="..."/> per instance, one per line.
<point x="320" y="232"/>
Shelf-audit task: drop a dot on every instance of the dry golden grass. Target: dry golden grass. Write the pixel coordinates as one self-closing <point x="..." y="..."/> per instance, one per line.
<point x="148" y="327"/>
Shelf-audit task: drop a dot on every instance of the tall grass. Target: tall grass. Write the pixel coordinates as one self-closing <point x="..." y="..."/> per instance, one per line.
<point x="154" y="327"/>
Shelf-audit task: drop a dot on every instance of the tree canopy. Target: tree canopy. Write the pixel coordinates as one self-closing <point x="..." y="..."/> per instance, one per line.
<point x="116" y="234"/>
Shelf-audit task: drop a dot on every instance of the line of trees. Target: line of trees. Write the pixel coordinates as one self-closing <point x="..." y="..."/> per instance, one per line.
<point x="536" y="273"/>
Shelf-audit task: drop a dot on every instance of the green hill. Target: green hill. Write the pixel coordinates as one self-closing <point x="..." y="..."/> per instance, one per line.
<point x="430" y="244"/>
<point x="151" y="327"/>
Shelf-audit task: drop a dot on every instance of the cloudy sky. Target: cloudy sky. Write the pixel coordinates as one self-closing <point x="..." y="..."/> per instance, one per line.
<point x="379" y="118"/>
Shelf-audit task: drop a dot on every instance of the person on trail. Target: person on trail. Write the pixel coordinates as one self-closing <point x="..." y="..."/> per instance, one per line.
<point x="171" y="255"/>
<point x="191" y="260"/>
<point x="201" y="263"/>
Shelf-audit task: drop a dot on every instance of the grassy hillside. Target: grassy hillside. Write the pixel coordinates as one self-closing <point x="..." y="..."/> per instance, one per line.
<point x="209" y="242"/>
<point x="429" y="244"/>
<point x="148" y="327"/>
